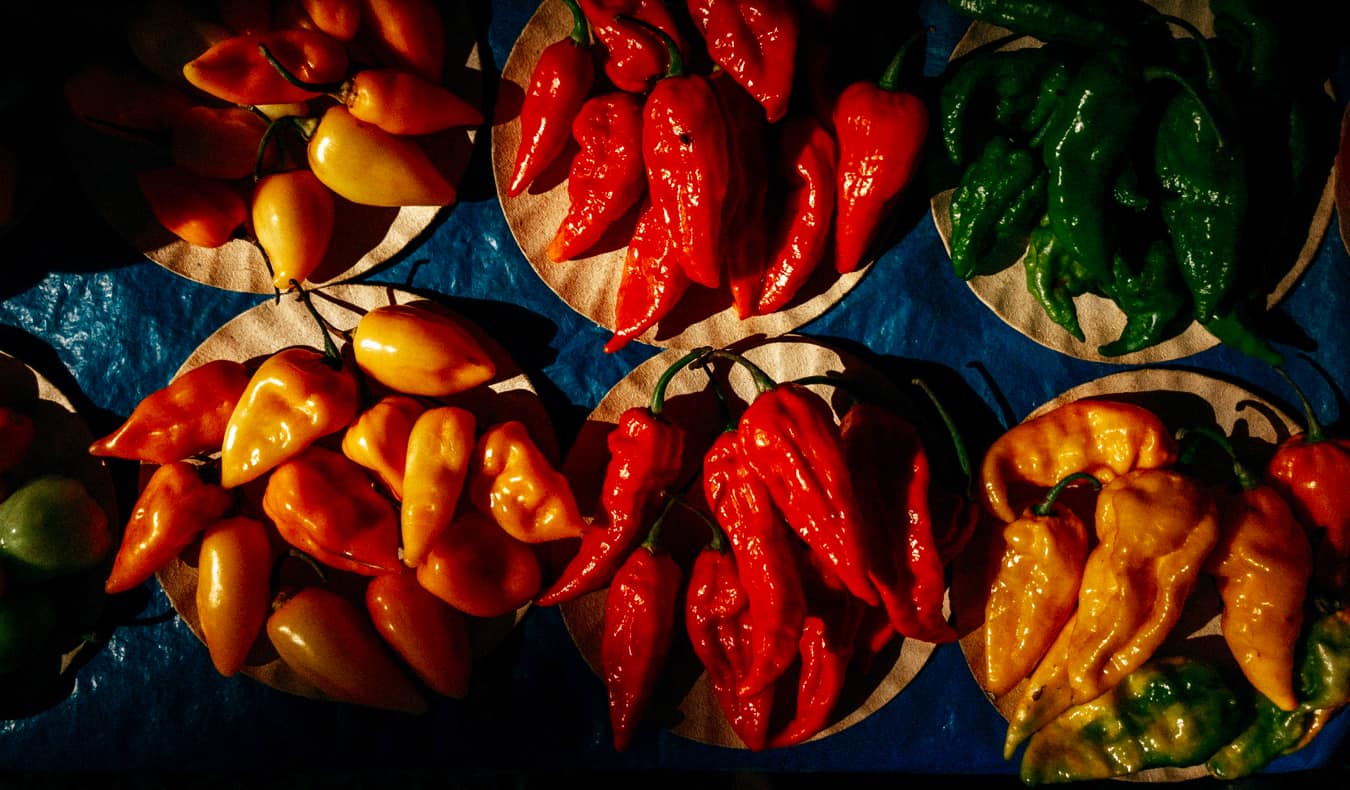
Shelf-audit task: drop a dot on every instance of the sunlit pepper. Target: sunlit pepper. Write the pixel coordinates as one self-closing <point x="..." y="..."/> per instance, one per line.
<point x="440" y="447"/>
<point x="652" y="281"/>
<point x="513" y="483"/>
<point x="420" y="349"/>
<point x="234" y="589"/>
<point x="293" y="218"/>
<point x="184" y="418"/>
<point x="378" y="439"/>
<point x="202" y="211"/>
<point x="431" y="637"/>
<point x="744" y="209"/>
<point x="216" y="142"/>
<point x="176" y="504"/>
<point x="755" y="41"/>
<point x="236" y="71"/>
<point x="407" y="33"/>
<point x="635" y="55"/>
<point x="371" y="167"/>
<point x="327" y="506"/>
<point x="801" y="239"/>
<point x="1101" y="437"/>
<point x="479" y="569"/>
<point x="330" y="643"/>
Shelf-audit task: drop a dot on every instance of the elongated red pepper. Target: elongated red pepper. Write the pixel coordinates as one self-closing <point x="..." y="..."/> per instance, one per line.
<point x="607" y="177"/>
<point x="560" y="83"/>
<point x="639" y="628"/>
<point x="764" y="551"/>
<point x="744" y="248"/>
<point x="684" y="140"/>
<point x="635" y="55"/>
<point x="652" y="281"/>
<point x="789" y="439"/>
<point x="881" y="131"/>
<point x="801" y="241"/>
<point x="646" y="452"/>
<point x="754" y="41"/>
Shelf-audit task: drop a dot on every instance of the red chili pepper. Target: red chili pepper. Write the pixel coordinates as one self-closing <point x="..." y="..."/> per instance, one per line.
<point x="743" y="249"/>
<point x="684" y="140"/>
<point x="236" y="70"/>
<point x="800" y="243"/>
<point x="762" y="545"/>
<point x="652" y="281"/>
<point x="881" y="132"/>
<point x="559" y="84"/>
<point x="1312" y="471"/>
<point x="639" y="627"/>
<point x="635" y="55"/>
<point x="789" y="439"/>
<point x="891" y="475"/>
<point x="754" y="41"/>
<point x="409" y="34"/>
<point x="646" y="452"/>
<point x="607" y="177"/>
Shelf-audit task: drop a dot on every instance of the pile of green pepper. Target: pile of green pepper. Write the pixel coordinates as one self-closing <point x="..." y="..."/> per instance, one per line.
<point x="1133" y="158"/>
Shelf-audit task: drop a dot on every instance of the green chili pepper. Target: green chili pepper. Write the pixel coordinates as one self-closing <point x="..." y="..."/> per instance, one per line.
<point x="1172" y="711"/>
<point x="1234" y="329"/>
<point x="995" y="205"/>
<point x="1054" y="277"/>
<point x="1010" y="92"/>
<point x="1152" y="297"/>
<point x="1324" y="684"/>
<point x="1085" y="23"/>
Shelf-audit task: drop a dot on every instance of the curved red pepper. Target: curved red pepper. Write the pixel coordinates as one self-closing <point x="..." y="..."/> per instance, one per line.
<point x="755" y="42"/>
<point x="635" y="55"/>
<point x="800" y="243"/>
<point x="607" y="177"/>
<point x="559" y="84"/>
<point x="743" y="249"/>
<point x="652" y="281"/>
<point x="881" y="132"/>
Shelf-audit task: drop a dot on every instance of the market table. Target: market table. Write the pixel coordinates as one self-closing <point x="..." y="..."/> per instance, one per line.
<point x="107" y="326"/>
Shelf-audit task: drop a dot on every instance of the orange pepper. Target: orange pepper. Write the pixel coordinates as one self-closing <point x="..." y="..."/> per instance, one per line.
<point x="326" y="506"/>
<point x="234" y="589"/>
<point x="216" y="142"/>
<point x="407" y="33"/>
<point x="175" y="506"/>
<point x="420" y="349"/>
<point x="369" y="166"/>
<point x="186" y="417"/>
<point x="293" y="217"/>
<point x="439" y="447"/>
<point x="511" y="482"/>
<point x="431" y="637"/>
<point x="480" y="569"/>
<point x="329" y="642"/>
<point x="201" y="211"/>
<point x="378" y="439"/>
<point x="236" y="71"/>
<point x="338" y="18"/>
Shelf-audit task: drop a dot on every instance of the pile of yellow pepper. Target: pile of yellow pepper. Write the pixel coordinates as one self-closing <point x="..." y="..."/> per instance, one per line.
<point x="411" y="518"/>
<point x="1109" y="528"/>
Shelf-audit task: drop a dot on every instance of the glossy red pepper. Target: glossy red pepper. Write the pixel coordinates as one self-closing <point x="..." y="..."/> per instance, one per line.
<point x="645" y="456"/>
<point x="755" y="42"/>
<point x="764" y="552"/>
<point x="560" y="83"/>
<point x="881" y="132"/>
<point x="184" y="418"/>
<point x="802" y="238"/>
<point x="684" y="141"/>
<point x="409" y="34"/>
<point x="202" y="211"/>
<point x="744" y="248"/>
<point x="652" y="281"/>
<point x="635" y="55"/>
<point x="234" y="589"/>
<point x="235" y="70"/>
<point x="431" y="637"/>
<point x="607" y="178"/>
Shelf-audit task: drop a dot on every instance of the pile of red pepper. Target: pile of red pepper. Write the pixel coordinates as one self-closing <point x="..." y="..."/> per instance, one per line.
<point x="359" y="85"/>
<point x="818" y="547"/>
<point x="346" y="510"/>
<point x="707" y="133"/>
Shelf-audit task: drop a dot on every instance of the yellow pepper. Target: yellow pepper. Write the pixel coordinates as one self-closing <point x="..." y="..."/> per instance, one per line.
<point x="1100" y="437"/>
<point x="378" y="439"/>
<point x="369" y="166"/>
<point x="511" y="482"/>
<point x="439" y="448"/>
<point x="419" y="349"/>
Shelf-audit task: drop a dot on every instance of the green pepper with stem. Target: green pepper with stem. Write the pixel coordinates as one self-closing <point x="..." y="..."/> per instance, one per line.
<point x="1054" y="277"/>
<point x="1150" y="295"/>
<point x="996" y="204"/>
<point x="1000" y="91"/>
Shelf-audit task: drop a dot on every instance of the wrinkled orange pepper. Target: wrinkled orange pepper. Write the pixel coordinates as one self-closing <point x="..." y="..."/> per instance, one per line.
<point x="479" y="569"/>
<point x="216" y="142"/>
<point x="184" y="418"/>
<point x="439" y="448"/>
<point x="201" y="211"/>
<point x="378" y="438"/>
<point x="234" y="589"/>
<point x="369" y="166"/>
<point x="1101" y="437"/>
<point x="515" y="485"/>
<point x="408" y="33"/>
<point x="236" y="71"/>
<point x="293" y="218"/>
<point x="329" y="642"/>
<point x="420" y="349"/>
<point x="326" y="505"/>
<point x="175" y="506"/>
<point x="431" y="637"/>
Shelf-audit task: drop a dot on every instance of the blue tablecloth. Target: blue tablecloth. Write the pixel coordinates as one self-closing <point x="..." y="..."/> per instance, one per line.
<point x="109" y="326"/>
